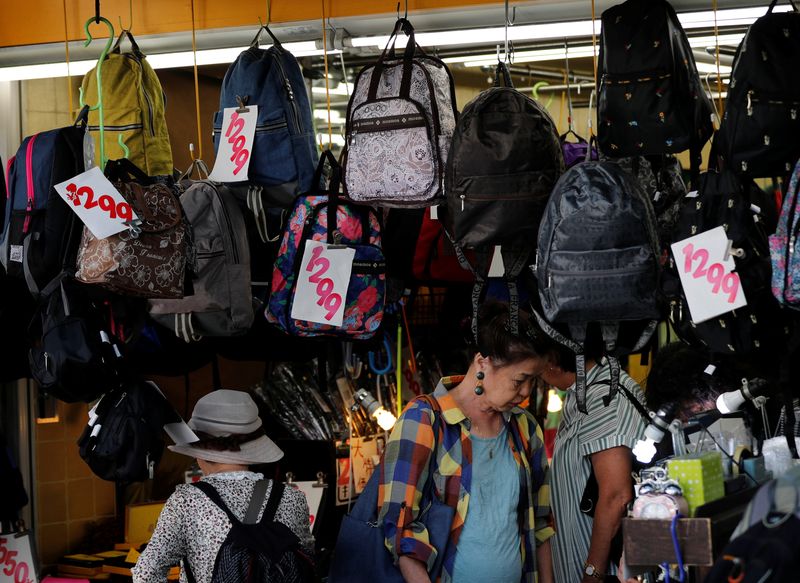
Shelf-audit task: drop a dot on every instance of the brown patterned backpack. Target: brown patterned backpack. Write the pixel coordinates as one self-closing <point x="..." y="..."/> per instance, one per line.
<point x="149" y="261"/>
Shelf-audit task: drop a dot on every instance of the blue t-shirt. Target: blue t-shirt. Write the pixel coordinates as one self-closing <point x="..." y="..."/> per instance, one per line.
<point x="488" y="549"/>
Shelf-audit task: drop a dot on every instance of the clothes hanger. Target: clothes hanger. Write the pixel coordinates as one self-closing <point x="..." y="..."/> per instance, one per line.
<point x="97" y="19"/>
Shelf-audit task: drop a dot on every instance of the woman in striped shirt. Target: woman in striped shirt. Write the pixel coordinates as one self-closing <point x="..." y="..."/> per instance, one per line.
<point x="489" y="464"/>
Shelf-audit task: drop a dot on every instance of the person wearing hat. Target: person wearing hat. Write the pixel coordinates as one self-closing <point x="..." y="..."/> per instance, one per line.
<point x="191" y="527"/>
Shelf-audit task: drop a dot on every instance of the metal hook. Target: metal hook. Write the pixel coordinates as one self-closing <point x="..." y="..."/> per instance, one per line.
<point x="130" y="18"/>
<point x="406" y="10"/>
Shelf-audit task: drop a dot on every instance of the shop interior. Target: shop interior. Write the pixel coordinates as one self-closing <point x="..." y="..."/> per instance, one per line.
<point x="307" y="389"/>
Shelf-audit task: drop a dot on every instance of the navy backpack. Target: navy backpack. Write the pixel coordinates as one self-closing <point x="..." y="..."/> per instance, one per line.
<point x="284" y="150"/>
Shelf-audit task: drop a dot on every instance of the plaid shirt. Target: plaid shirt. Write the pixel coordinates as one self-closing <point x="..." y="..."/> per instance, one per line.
<point x="406" y="466"/>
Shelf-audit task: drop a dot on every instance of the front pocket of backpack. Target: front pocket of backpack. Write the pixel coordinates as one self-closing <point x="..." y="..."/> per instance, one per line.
<point x="640" y="114"/>
<point x="120" y="124"/>
<point x="390" y="153"/>
<point x="619" y="284"/>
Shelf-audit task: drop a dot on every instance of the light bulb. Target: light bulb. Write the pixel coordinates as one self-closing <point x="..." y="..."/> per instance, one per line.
<point x="384" y="418"/>
<point x="554" y="402"/>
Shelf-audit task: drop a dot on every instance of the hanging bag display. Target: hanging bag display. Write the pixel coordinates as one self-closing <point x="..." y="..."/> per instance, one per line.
<point x="148" y="260"/>
<point x="758" y="134"/>
<point x="400" y="121"/>
<point x="784" y="252"/>
<point x="354" y="227"/>
<point x="650" y="99"/>
<point x="284" y="148"/>
<point x="134" y="110"/>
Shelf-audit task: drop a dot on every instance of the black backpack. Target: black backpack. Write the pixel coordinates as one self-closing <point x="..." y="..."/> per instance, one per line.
<point x="724" y="200"/>
<point x="765" y="552"/>
<point x="504" y="160"/>
<point x="758" y="134"/>
<point x="650" y="98"/>
<point x="258" y="551"/>
<point x="122" y="441"/>
<point x="40" y="233"/>
<point x="598" y="262"/>
<point x="72" y="356"/>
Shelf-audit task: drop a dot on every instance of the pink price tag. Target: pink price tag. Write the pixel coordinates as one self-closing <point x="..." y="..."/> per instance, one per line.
<point x="16" y="559"/>
<point x="709" y="281"/>
<point x="235" y="144"/>
<point x="321" y="287"/>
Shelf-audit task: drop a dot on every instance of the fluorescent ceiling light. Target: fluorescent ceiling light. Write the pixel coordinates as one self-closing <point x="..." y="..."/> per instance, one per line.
<point x="558" y="30"/>
<point x="157" y="61"/>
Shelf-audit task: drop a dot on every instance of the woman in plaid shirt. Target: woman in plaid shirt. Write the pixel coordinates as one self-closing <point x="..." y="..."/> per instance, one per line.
<point x="490" y="465"/>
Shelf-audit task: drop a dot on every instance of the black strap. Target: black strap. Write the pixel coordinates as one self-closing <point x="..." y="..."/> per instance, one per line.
<point x="275" y="497"/>
<point x="502" y="72"/>
<point x="275" y="41"/>
<point x="214" y="496"/>
<point x="578" y="333"/>
<point x="610" y="332"/>
<point x="256" y="498"/>
<point x="388" y="53"/>
<point x="786" y="385"/>
<point x="774" y="2"/>
<point x="134" y="45"/>
<point x="126" y="171"/>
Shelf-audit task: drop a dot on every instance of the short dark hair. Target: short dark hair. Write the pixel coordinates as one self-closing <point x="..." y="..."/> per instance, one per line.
<point x="497" y="340"/>
<point x="678" y="375"/>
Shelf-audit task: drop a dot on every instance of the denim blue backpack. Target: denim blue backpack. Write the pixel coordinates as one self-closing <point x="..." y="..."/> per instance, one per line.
<point x="284" y="151"/>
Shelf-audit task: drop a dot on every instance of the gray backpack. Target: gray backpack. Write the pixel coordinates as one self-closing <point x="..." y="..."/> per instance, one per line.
<point x="222" y="303"/>
<point x="400" y="121"/>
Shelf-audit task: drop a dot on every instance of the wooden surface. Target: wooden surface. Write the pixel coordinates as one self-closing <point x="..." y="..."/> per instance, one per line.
<point x="649" y="542"/>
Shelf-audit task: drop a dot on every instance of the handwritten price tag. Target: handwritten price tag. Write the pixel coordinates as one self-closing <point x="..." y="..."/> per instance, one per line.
<point x="16" y="559"/>
<point x="710" y="285"/>
<point x="235" y="145"/>
<point x="322" y="284"/>
<point x="97" y="203"/>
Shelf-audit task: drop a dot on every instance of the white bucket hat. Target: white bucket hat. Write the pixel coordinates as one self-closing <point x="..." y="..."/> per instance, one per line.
<point x="230" y="431"/>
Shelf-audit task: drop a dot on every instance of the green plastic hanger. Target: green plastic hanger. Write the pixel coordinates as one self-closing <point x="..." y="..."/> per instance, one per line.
<point x="99" y="70"/>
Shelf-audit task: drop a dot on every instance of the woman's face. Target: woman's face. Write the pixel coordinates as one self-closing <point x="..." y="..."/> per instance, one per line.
<point x="508" y="385"/>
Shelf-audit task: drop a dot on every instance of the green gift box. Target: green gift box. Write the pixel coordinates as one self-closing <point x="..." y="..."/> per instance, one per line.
<point x="700" y="477"/>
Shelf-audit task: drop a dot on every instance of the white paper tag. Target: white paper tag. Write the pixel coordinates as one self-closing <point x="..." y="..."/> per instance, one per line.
<point x="180" y="433"/>
<point x="97" y="203"/>
<point x="19" y="565"/>
<point x="235" y="145"/>
<point x="497" y="268"/>
<point x="707" y="277"/>
<point x="692" y="194"/>
<point x="313" y="497"/>
<point x="15" y="254"/>
<point x="435" y="212"/>
<point x="321" y="288"/>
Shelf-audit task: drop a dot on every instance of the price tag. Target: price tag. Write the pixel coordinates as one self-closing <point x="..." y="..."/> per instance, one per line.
<point x="97" y="203"/>
<point x="321" y="287"/>
<point x="497" y="268"/>
<point x="16" y="559"/>
<point x="709" y="282"/>
<point x="235" y="145"/>
<point x="313" y="497"/>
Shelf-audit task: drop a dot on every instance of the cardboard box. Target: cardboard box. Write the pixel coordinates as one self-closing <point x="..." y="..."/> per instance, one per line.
<point x="700" y="476"/>
<point x="140" y="522"/>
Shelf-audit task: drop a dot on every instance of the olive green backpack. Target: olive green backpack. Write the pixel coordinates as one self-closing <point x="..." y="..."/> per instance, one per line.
<point x="133" y="110"/>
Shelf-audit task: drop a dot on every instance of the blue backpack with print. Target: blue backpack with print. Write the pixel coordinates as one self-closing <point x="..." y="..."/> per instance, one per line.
<point x="355" y="227"/>
<point x="284" y="148"/>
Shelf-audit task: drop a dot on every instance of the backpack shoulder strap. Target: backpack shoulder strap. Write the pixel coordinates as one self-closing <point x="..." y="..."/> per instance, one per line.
<point x="214" y="496"/>
<point x="274" y="501"/>
<point x="259" y="492"/>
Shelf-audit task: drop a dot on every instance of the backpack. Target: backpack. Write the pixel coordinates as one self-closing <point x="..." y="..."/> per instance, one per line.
<point x="221" y="304"/>
<point x="400" y="120"/>
<point x="650" y="100"/>
<point x="356" y="227"/>
<point x="40" y="232"/>
<point x="122" y="441"/>
<point x="767" y="550"/>
<point x="72" y="356"/>
<point x="284" y="147"/>
<point x="758" y="134"/>
<point x="782" y="244"/>
<point x="504" y="160"/>
<point x="134" y="113"/>
<point x="724" y="200"/>
<point x="257" y="551"/>
<point x="597" y="261"/>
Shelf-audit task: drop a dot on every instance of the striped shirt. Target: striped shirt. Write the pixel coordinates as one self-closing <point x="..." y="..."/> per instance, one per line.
<point x="580" y="435"/>
<point x="405" y="470"/>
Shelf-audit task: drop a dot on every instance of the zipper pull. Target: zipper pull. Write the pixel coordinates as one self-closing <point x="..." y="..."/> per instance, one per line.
<point x="462" y="197"/>
<point x="791" y="252"/>
<point x="749" y="103"/>
<point x="46" y="362"/>
<point x="289" y="91"/>
<point x="151" y="466"/>
<point x="122" y="397"/>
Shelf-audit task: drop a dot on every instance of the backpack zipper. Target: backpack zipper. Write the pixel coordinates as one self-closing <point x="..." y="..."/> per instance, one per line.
<point x="150" y="115"/>
<point x="29" y="178"/>
<point x="289" y="94"/>
<point x="229" y="223"/>
<point x="123" y="128"/>
<point x="266" y="127"/>
<point x="751" y="99"/>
